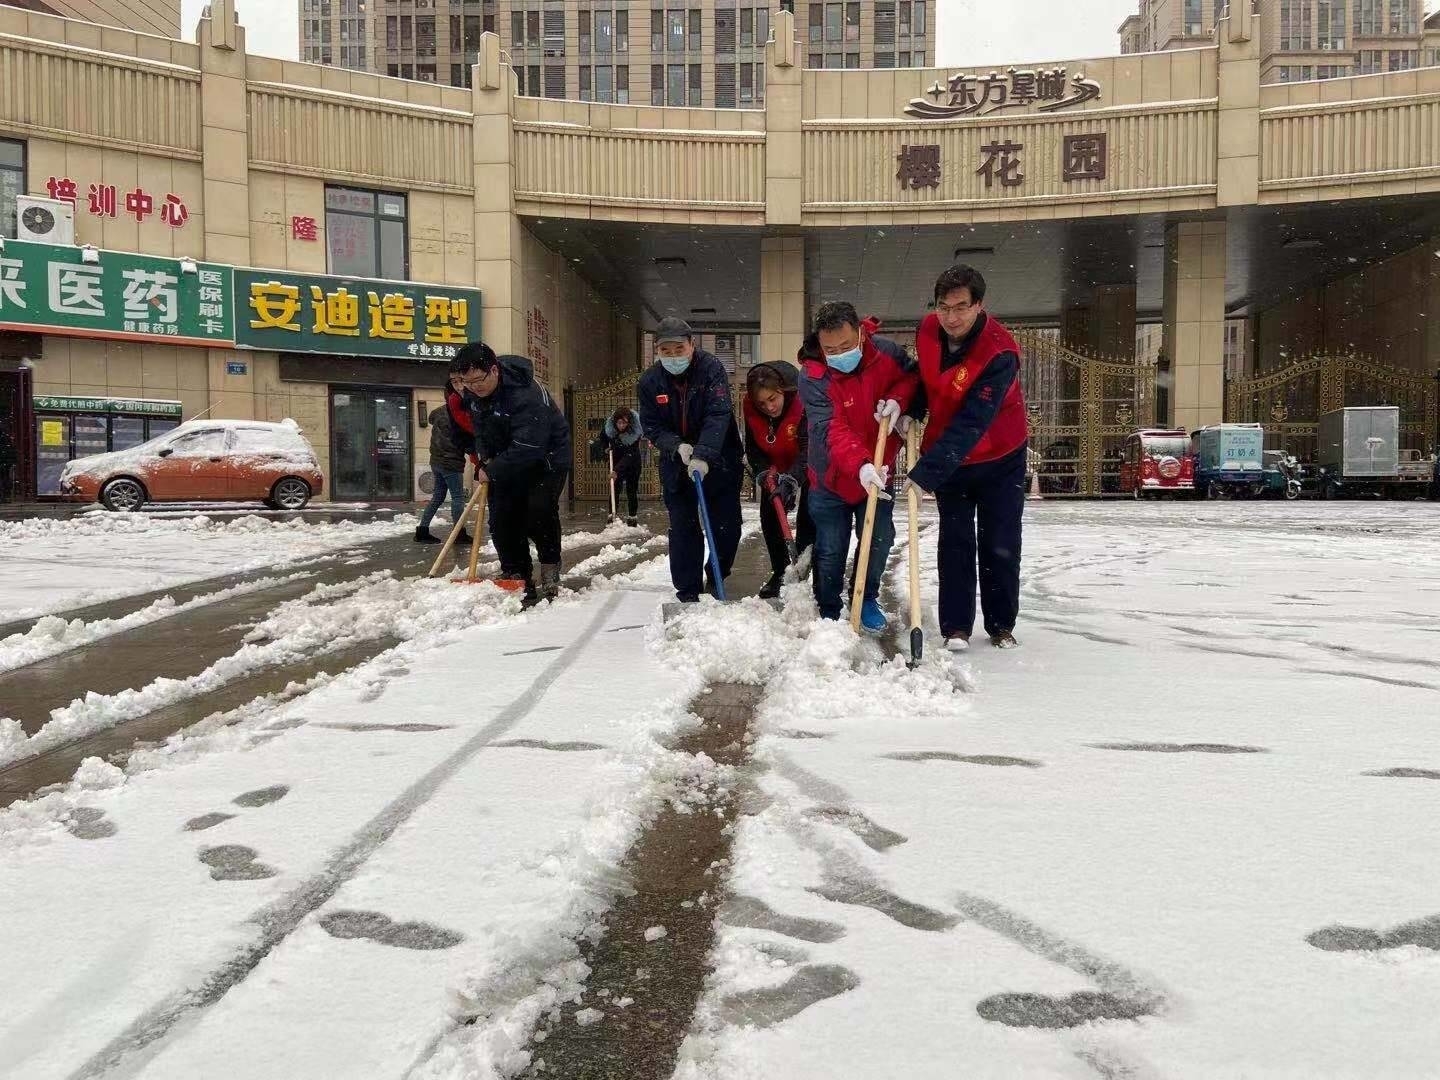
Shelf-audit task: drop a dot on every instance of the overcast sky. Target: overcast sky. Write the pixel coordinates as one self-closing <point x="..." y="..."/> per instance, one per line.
<point x="972" y="32"/>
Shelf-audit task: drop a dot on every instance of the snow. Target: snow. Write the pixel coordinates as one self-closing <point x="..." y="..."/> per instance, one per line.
<point x="655" y="933"/>
<point x="1149" y="809"/>
<point x="53" y="564"/>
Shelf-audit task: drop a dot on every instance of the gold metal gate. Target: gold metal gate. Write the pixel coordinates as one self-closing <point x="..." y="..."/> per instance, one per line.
<point x="1081" y="409"/>
<point x="1289" y="402"/>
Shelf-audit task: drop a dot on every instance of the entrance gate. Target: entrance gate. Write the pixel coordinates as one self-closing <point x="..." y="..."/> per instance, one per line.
<point x="1081" y="409"/>
<point x="1289" y="402"/>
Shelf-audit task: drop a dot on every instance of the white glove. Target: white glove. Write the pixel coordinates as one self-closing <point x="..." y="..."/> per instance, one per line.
<point x="888" y="407"/>
<point x="685" y="450"/>
<point x="701" y="466"/>
<point x="902" y="426"/>
<point x="877" y="479"/>
<point x="910" y="486"/>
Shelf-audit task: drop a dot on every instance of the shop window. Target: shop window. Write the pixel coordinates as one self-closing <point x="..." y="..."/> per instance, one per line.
<point x="12" y="182"/>
<point x="366" y="233"/>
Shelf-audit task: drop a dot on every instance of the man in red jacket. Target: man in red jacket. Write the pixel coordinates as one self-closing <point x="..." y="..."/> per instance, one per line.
<point x="860" y="379"/>
<point x="972" y="456"/>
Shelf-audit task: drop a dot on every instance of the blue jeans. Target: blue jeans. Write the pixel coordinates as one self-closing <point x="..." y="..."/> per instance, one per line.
<point x="455" y="483"/>
<point x="835" y="521"/>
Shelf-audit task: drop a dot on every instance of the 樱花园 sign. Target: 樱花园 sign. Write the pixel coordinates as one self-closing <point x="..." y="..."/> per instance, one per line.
<point x="352" y="316"/>
<point x="129" y="406"/>
<point x="118" y="296"/>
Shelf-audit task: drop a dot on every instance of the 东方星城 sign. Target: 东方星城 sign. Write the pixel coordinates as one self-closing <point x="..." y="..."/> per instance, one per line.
<point x="964" y="95"/>
<point x="117" y="295"/>
<point x="300" y="313"/>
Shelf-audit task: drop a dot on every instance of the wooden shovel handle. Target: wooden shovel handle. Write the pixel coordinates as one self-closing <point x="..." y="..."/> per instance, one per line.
<point x="867" y="533"/>
<point x="455" y="531"/>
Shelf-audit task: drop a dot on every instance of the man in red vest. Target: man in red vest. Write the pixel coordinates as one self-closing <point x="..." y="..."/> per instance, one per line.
<point x="972" y="456"/>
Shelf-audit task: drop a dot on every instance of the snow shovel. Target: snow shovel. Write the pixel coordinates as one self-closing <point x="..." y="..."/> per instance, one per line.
<point x="917" y="636"/>
<point x="614" y="510"/>
<point x="669" y="611"/>
<point x="786" y="533"/>
<point x="867" y="533"/>
<point x="477" y="496"/>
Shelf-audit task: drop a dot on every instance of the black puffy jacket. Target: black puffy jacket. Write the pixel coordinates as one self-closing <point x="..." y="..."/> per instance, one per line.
<point x="519" y="430"/>
<point x="694" y="408"/>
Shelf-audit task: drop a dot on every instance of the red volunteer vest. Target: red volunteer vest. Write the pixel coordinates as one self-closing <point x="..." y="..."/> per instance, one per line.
<point x="778" y="440"/>
<point x="946" y="390"/>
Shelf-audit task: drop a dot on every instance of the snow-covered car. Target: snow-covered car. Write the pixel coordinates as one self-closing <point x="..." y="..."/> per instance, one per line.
<point x="202" y="461"/>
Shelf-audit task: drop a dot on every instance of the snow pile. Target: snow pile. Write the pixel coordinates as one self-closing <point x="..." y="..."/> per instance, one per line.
<point x="617" y="532"/>
<point x="655" y="933"/>
<point x="741" y="642"/>
<point x="52" y="635"/>
<point x="608" y="555"/>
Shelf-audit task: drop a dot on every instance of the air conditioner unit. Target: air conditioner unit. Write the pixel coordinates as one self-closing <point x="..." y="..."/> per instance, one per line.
<point x="44" y="221"/>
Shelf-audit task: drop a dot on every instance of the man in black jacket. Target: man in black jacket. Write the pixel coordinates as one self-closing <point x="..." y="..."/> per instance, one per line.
<point x="687" y="413"/>
<point x="523" y="442"/>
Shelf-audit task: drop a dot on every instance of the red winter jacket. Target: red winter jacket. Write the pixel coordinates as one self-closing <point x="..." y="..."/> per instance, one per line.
<point x="461" y="416"/>
<point x="840" y="410"/>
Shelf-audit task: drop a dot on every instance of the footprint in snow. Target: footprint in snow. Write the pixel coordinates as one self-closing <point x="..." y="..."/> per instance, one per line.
<point x="373" y="926"/>
<point x="773" y="1005"/>
<point x="998" y="760"/>
<point x="1405" y="772"/>
<point x="1181" y="748"/>
<point x="206" y="821"/>
<point x="262" y="796"/>
<point x="876" y="837"/>
<point x="541" y="744"/>
<point x="235" y="862"/>
<point x="358" y="726"/>
<point x="1048" y="1011"/>
<point x="1422" y="932"/>
<point x="90" y="823"/>
<point x="748" y="911"/>
<point x="873" y="895"/>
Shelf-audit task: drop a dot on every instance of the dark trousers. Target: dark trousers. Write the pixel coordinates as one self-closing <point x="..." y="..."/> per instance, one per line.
<point x="980" y="511"/>
<point x="454" y="484"/>
<point x="770" y="529"/>
<point x="627" y="482"/>
<point x="835" y="522"/>
<point x="523" y="512"/>
<point x="687" y="537"/>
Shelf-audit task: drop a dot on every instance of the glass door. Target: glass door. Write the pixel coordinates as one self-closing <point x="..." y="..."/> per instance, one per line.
<point x="370" y="445"/>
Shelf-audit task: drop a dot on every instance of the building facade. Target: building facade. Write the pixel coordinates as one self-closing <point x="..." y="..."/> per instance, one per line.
<point x="710" y="55"/>
<point x="158" y="17"/>
<point x="262" y="239"/>
<point x="1303" y="40"/>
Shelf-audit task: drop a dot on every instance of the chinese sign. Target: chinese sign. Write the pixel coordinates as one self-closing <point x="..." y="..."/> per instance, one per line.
<point x="106" y="200"/>
<point x="131" y="406"/>
<point x="304" y="228"/>
<point x="537" y="343"/>
<point x="119" y="296"/>
<point x="307" y="314"/>
<point x="1085" y="157"/>
<point x="919" y="167"/>
<point x="981" y="95"/>
<point x="1002" y="162"/>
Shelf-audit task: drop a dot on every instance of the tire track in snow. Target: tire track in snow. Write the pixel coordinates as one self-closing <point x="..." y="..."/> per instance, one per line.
<point x="276" y="921"/>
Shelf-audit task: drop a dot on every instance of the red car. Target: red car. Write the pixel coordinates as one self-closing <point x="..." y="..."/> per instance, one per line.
<point x="202" y="461"/>
<point x="1157" y="462"/>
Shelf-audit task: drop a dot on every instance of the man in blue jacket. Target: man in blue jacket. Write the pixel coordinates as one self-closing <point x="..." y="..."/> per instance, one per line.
<point x="687" y="413"/>
<point x="523" y="442"/>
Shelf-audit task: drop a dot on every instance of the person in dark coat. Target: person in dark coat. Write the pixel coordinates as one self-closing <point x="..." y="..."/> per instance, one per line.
<point x="687" y="413"/>
<point x="973" y="457"/>
<point x="775" y="445"/>
<point x="623" y="436"/>
<point x="522" y="440"/>
<point x="447" y="467"/>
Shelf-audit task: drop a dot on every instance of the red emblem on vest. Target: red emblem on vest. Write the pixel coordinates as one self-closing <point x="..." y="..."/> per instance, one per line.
<point x="791" y="430"/>
<point x="960" y="376"/>
<point x="662" y="399"/>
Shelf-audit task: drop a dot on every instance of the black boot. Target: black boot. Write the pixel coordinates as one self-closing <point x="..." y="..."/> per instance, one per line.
<point x="464" y="539"/>
<point x="424" y="536"/>
<point x="771" y="588"/>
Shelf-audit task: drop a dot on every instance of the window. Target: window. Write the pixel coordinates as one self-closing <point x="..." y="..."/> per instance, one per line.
<point x="725" y="86"/>
<point x="902" y="60"/>
<point x="517" y="29"/>
<point x="724" y="31"/>
<point x="457" y="41"/>
<point x="815" y="60"/>
<point x="1330" y="71"/>
<point x="584" y="35"/>
<point x="833" y="13"/>
<point x="585" y="82"/>
<point x="817" y="22"/>
<point x="1401" y="19"/>
<point x="905" y="18"/>
<point x="747" y="84"/>
<point x="555" y="80"/>
<point x="834" y="60"/>
<point x="884" y="23"/>
<point x="1194" y="18"/>
<point x="425" y="35"/>
<point x="532" y="29"/>
<point x="675" y="85"/>
<point x="12" y="182"/>
<point x="760" y="83"/>
<point x="407" y="32"/>
<point x="1367" y="18"/>
<point x="852" y="22"/>
<point x="393" y="70"/>
<point x="622" y="31"/>
<point x="1402" y="61"/>
<point x="605" y="84"/>
<point x="852" y="60"/>
<point x="762" y="25"/>
<point x="622" y="85"/>
<point x="472" y="34"/>
<point x="657" y="31"/>
<point x="199" y="443"/>
<point x="919" y="24"/>
<point x="1371" y="62"/>
<point x="425" y="72"/>
<point x="604" y="32"/>
<point x="366" y="233"/>
<point x="657" y="84"/>
<point x="1295" y="26"/>
<point x="392" y="32"/>
<point x="696" y="21"/>
<point x="697" y="94"/>
<point x="1330" y="24"/>
<point x="534" y="80"/>
<point x="747" y="27"/>
<point x="676" y="37"/>
<point x="554" y="34"/>
<point x="884" y="60"/>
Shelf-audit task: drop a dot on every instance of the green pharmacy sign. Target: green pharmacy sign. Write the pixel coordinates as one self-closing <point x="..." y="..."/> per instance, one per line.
<point x="298" y="313"/>
<point x="83" y="292"/>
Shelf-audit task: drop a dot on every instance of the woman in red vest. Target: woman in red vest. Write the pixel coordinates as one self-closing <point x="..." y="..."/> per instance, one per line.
<point x="972" y="456"/>
<point x="775" y="444"/>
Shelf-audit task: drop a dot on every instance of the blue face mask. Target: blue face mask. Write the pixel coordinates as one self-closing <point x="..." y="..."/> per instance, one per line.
<point x="675" y="365"/>
<point x="845" y="362"/>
